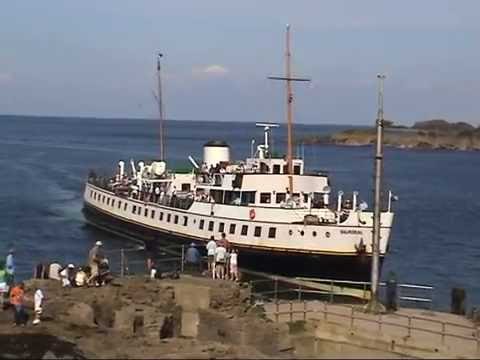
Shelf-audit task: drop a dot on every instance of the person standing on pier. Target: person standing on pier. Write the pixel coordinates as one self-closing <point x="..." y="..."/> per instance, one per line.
<point x="95" y="256"/>
<point x="17" y="295"/>
<point x="211" y="247"/>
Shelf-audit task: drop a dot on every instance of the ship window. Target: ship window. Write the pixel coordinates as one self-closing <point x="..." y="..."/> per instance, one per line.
<point x="217" y="196"/>
<point x="161" y="216"/>
<point x="113" y="202"/>
<point x="276" y="169"/>
<point x="175" y="219"/>
<point x="314" y="233"/>
<point x="280" y="197"/>
<point x="134" y="209"/>
<point x="305" y="198"/>
<point x="290" y="232"/>
<point x="272" y="232"/>
<point x="94" y="196"/>
<point x="244" y="230"/>
<point x="146" y="212"/>
<point x="119" y="204"/>
<point x="186" y="187"/>
<point x="91" y="193"/>
<point x="125" y="207"/>
<point x="169" y="216"/>
<point x="232" y="228"/>
<point x="302" y="232"/>
<point x="248" y="197"/>
<point x="185" y="221"/>
<point x="221" y="227"/>
<point x="258" y="231"/>
<point x="139" y="210"/>
<point x="202" y="224"/>
<point x="108" y="201"/>
<point x="265" y="198"/>
<point x="296" y="169"/>
<point x="152" y="213"/>
<point x="210" y="226"/>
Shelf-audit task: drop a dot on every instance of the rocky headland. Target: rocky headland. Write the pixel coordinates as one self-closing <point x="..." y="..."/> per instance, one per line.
<point x="430" y="134"/>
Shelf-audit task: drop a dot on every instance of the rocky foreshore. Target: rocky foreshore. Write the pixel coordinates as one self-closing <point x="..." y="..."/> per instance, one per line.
<point x="431" y="134"/>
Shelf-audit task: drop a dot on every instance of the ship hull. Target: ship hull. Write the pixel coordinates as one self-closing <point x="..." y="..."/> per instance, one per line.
<point x="294" y="264"/>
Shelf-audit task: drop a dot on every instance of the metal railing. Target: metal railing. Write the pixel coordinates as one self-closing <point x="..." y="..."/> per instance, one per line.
<point x="274" y="288"/>
<point x="131" y="261"/>
<point x="379" y="320"/>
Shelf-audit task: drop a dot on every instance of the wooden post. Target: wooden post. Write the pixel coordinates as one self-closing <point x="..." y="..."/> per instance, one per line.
<point x="352" y="317"/>
<point x="409" y="326"/>
<point x="443" y="333"/>
<point x="183" y="259"/>
<point x="325" y="310"/>
<point x="291" y="311"/>
<point x="304" y="310"/>
<point x="277" y="309"/>
<point x="379" y="323"/>
<point x="122" y="262"/>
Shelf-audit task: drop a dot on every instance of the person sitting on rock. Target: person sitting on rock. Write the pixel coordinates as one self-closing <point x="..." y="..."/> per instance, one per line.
<point x="81" y="278"/>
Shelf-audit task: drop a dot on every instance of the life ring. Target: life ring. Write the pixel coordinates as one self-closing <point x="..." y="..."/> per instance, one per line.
<point x="252" y="214"/>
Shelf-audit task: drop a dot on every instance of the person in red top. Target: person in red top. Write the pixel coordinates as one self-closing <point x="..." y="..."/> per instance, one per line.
<point x="17" y="295"/>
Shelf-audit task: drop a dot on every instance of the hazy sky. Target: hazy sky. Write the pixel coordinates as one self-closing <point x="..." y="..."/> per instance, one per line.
<point x="97" y="58"/>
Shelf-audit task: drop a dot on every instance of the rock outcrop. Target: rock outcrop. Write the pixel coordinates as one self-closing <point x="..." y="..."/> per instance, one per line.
<point x="431" y="134"/>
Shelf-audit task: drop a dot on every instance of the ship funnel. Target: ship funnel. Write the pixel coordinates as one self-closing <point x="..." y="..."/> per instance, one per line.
<point x="215" y="152"/>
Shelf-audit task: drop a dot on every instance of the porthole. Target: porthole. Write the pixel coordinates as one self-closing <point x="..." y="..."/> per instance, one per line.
<point x="302" y="232"/>
<point x="314" y="233"/>
<point x="327" y="234"/>
<point x="290" y="232"/>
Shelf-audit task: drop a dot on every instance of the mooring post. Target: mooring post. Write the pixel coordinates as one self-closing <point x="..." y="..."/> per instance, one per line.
<point x="331" y="291"/>
<point x="352" y="317"/>
<point x="443" y="333"/>
<point x="183" y="259"/>
<point x="478" y="340"/>
<point x="277" y="309"/>
<point x="304" y="310"/>
<point x="325" y="310"/>
<point x="291" y="311"/>
<point x="275" y="288"/>
<point x="122" y="262"/>
<point x="299" y="292"/>
<point x="379" y="323"/>
<point x="409" y="326"/>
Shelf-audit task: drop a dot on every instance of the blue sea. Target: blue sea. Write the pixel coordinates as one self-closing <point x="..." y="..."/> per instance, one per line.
<point x="44" y="162"/>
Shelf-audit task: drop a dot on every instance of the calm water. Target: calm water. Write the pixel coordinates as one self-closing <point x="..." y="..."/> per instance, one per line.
<point x="44" y="162"/>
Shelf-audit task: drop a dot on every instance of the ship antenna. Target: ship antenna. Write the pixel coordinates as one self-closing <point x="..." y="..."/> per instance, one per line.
<point x="289" y="101"/>
<point x="374" y="305"/>
<point x="161" y="110"/>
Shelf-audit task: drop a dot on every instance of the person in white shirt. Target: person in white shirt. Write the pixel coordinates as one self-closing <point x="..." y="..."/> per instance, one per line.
<point x="38" y="305"/>
<point x="220" y="261"/>
<point x="53" y="271"/>
<point x="211" y="246"/>
<point x="234" y="265"/>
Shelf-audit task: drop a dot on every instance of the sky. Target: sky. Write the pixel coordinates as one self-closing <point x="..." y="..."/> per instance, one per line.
<point x="97" y="58"/>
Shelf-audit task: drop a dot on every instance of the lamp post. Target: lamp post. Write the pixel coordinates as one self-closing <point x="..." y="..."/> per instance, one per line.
<point x="374" y="304"/>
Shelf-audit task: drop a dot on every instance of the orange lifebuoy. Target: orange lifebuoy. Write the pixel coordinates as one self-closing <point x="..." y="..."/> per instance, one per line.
<point x="252" y="214"/>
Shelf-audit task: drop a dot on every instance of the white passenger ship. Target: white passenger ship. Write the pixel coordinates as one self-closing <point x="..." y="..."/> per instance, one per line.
<point x="281" y="218"/>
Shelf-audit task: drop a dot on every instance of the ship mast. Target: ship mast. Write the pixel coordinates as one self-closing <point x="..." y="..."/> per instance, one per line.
<point x="161" y="110"/>
<point x="289" y="101"/>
